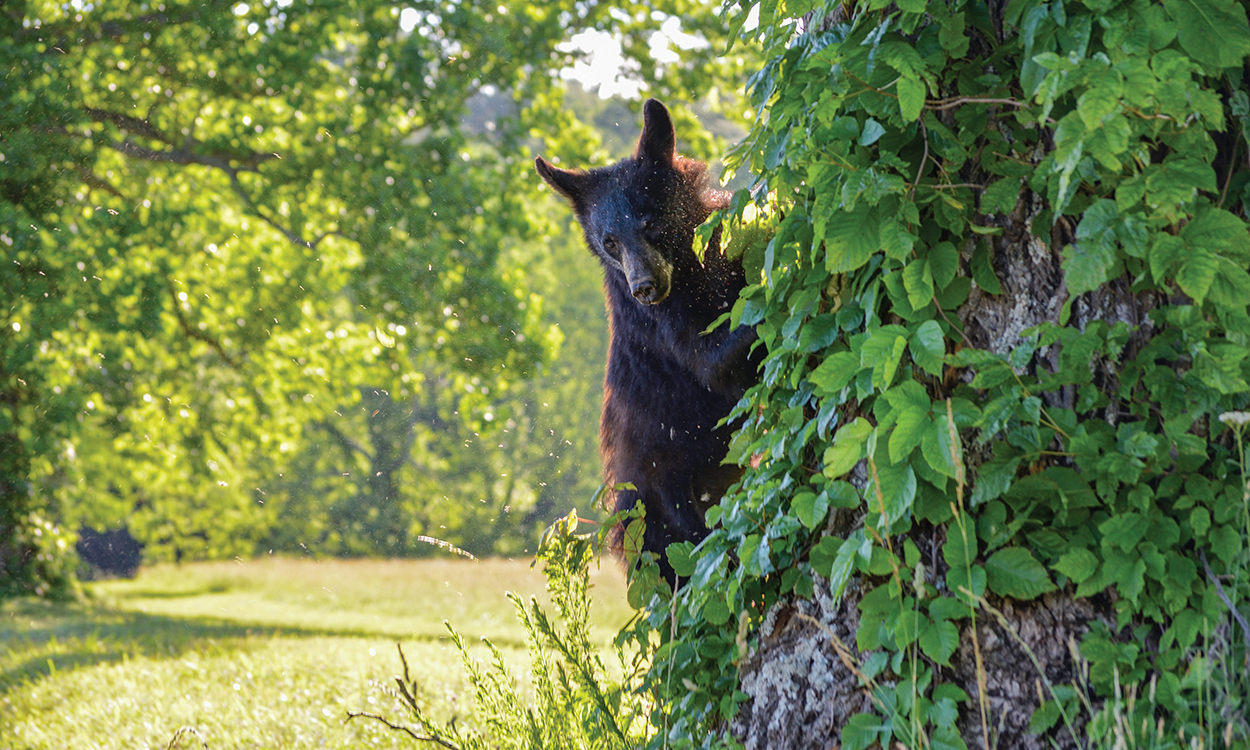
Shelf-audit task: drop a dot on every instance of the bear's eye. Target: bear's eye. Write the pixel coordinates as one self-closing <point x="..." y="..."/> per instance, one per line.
<point x="651" y="230"/>
<point x="609" y="244"/>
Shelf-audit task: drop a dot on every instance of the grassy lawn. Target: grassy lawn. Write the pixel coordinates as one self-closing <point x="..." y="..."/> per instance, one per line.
<point x="269" y="653"/>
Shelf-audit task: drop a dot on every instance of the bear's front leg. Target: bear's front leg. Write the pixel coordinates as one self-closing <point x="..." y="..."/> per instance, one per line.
<point x="720" y="360"/>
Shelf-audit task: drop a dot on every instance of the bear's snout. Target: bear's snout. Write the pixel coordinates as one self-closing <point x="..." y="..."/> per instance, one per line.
<point x="646" y="292"/>
<point x="648" y="274"/>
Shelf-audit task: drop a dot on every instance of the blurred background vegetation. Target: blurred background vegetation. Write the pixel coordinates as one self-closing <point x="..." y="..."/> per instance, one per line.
<point x="278" y="275"/>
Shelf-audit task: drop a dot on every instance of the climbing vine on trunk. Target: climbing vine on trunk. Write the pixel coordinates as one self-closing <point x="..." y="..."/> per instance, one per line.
<point x="999" y="254"/>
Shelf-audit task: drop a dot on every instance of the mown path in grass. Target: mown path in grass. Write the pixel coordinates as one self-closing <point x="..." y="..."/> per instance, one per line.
<point x="269" y="653"/>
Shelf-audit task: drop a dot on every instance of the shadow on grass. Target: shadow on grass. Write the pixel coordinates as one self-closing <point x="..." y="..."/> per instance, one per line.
<point x="153" y="593"/>
<point x="38" y="639"/>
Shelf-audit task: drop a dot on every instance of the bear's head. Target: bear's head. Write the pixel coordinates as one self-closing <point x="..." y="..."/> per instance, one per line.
<point x="639" y="215"/>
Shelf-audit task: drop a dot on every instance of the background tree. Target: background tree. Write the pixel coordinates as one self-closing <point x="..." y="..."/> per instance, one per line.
<point x="217" y="209"/>
<point x="388" y="471"/>
<point x="1004" y="301"/>
<point x="238" y="233"/>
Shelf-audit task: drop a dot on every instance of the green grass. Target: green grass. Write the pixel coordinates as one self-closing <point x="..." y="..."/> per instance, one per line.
<point x="264" y="654"/>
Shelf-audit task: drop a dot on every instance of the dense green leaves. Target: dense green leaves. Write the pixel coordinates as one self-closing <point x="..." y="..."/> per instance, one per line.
<point x="1021" y="243"/>
<point x="1213" y="32"/>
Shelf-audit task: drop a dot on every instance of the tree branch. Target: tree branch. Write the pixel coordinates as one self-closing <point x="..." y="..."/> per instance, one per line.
<point x="184" y="155"/>
<point x="940" y="104"/>
<point x="126" y="122"/>
<point x="924" y="133"/>
<point x="192" y="332"/>
<point x="343" y="439"/>
<point x="92" y="180"/>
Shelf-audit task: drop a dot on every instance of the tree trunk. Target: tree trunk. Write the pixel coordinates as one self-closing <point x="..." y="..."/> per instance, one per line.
<point x="16" y="575"/>
<point x="803" y="691"/>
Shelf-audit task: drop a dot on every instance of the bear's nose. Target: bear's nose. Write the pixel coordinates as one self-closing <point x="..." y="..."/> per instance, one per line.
<point x="644" y="291"/>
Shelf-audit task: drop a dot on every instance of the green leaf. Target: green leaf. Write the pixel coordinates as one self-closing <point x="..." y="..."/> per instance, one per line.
<point x="928" y="347"/>
<point x="1164" y="254"/>
<point x="1177" y="180"/>
<point x="1217" y="230"/>
<point x="810" y="508"/>
<point x="860" y="731"/>
<point x="947" y="738"/>
<point x="871" y="132"/>
<point x="1001" y="196"/>
<point x="1196" y="274"/>
<point x="1124" y="530"/>
<point x="1087" y="264"/>
<point x="1100" y="100"/>
<point x="1014" y="572"/>
<point x="1044" y="717"/>
<point x="911" y="93"/>
<point x="835" y="373"/>
<point x="908" y="396"/>
<point x="631" y="542"/>
<point x="944" y="713"/>
<point x="909" y="429"/>
<point x="936" y="446"/>
<point x="952" y="36"/>
<point x="1213" y="32"/>
<point x="982" y="265"/>
<point x="851" y="237"/>
<point x="955" y="552"/>
<point x="1077" y="564"/>
<point x="955" y="293"/>
<point x="972" y="579"/>
<point x="944" y="263"/>
<point x="1200" y="521"/>
<point x="842" y="494"/>
<point x="939" y="641"/>
<point x="918" y="281"/>
<point x="1179" y="581"/>
<point x="993" y="479"/>
<point x="715" y="610"/>
<point x="898" y="492"/>
<point x="680" y="556"/>
<point x="992" y="525"/>
<point x="1225" y="542"/>
<point x="1231" y="286"/>
<point x="946" y="608"/>
<point x="883" y="352"/>
<point x="856" y="547"/>
<point x="1129" y="574"/>
<point x="847" y="449"/>
<point x="823" y="554"/>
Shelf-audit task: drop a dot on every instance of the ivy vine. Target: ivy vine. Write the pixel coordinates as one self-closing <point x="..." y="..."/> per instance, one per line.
<point x="896" y="144"/>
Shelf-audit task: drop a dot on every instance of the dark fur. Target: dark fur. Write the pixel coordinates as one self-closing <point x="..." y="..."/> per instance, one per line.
<point x="666" y="385"/>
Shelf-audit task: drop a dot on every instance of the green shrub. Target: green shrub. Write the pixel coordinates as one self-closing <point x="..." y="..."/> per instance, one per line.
<point x="38" y="560"/>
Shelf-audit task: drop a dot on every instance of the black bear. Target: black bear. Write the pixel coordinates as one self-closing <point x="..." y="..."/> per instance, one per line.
<point x="667" y="384"/>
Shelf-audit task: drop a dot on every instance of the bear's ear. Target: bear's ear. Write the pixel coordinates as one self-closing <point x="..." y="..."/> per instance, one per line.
<point x="573" y="185"/>
<point x="658" y="142"/>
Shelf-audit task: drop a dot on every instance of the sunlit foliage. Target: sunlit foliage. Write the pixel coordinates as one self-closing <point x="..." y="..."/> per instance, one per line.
<point x="235" y="233"/>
